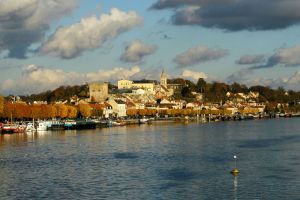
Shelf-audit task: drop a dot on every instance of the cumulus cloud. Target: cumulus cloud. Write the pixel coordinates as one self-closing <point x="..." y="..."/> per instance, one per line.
<point x="136" y="50"/>
<point x="243" y="77"/>
<point x="250" y="59"/>
<point x="288" y="57"/>
<point x="24" y="23"/>
<point x="113" y="74"/>
<point x="234" y="15"/>
<point x="35" y="79"/>
<point x="195" y="75"/>
<point x="90" y="33"/>
<point x="199" y="54"/>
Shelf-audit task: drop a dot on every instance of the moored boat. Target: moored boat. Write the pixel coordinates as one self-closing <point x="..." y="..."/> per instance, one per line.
<point x="79" y="124"/>
<point x="42" y="126"/>
<point x="12" y="128"/>
<point x="57" y="125"/>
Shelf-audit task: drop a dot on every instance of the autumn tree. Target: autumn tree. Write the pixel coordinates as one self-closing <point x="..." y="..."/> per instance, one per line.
<point x="85" y="110"/>
<point x="132" y="112"/>
<point x="97" y="110"/>
<point x="61" y="111"/>
<point x="9" y="110"/>
<point x="1" y="104"/>
<point x="72" y="112"/>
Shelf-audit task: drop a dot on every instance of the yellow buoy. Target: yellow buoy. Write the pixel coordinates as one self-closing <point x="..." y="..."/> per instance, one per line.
<point x="235" y="172"/>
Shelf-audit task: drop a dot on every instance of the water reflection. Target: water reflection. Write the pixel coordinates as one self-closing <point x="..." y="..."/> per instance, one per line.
<point x="235" y="187"/>
<point x="159" y="161"/>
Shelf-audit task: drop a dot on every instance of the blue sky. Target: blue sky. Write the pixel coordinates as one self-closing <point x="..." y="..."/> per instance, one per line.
<point x="48" y="43"/>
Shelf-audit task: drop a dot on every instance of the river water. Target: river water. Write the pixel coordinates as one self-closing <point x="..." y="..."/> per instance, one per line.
<point x="157" y="161"/>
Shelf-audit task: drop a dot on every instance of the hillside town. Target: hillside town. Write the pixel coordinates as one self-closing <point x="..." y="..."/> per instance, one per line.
<point x="133" y="101"/>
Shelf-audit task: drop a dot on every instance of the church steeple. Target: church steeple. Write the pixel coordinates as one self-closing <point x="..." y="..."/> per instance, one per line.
<point x="163" y="79"/>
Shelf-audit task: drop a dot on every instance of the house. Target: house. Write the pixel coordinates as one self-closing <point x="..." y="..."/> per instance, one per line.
<point x="124" y="84"/>
<point x="107" y="109"/>
<point x="194" y="105"/>
<point x="118" y="106"/>
<point x="146" y="85"/>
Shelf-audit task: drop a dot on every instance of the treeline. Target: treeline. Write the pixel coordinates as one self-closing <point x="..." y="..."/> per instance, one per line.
<point x="23" y="111"/>
<point x="62" y="93"/>
<point x="213" y="92"/>
<point x="216" y="91"/>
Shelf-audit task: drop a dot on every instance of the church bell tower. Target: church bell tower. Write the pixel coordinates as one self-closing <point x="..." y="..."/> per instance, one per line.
<point x="163" y="79"/>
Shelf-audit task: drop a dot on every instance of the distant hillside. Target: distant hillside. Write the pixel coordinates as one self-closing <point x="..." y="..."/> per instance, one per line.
<point x="61" y="93"/>
<point x="213" y="92"/>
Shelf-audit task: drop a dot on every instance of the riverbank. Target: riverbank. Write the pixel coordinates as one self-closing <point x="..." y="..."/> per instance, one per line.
<point x="54" y="125"/>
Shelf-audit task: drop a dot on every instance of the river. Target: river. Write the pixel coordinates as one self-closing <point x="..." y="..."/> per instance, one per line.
<point x="156" y="161"/>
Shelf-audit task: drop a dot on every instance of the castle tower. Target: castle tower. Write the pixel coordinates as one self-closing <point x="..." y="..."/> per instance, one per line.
<point x="163" y="79"/>
<point x="98" y="91"/>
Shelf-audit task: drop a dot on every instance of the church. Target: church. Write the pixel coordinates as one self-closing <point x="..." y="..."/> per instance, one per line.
<point x="160" y="90"/>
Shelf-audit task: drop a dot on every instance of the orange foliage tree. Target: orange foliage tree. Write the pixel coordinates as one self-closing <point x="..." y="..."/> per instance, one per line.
<point x="72" y="112"/>
<point x="85" y="110"/>
<point x="61" y="111"/>
<point x="132" y="112"/>
<point x="9" y="110"/>
<point x="1" y="105"/>
<point x="97" y="110"/>
<point x="22" y="110"/>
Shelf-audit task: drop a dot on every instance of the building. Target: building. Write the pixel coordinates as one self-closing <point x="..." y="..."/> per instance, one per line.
<point x="124" y="84"/>
<point x="163" y="79"/>
<point x="98" y="92"/>
<point x="143" y="84"/>
<point x="170" y="89"/>
<point x="118" y="106"/>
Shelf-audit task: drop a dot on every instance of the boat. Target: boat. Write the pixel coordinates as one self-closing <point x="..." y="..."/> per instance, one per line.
<point x="57" y="125"/>
<point x="143" y="120"/>
<point x="69" y="125"/>
<point x="30" y="127"/>
<point x="12" y="128"/>
<point x="42" y="126"/>
<point x="79" y="124"/>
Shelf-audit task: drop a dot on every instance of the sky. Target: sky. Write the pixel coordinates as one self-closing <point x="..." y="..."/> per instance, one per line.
<point x="45" y="44"/>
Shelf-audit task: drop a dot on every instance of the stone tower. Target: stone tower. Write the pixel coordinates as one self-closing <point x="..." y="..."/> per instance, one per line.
<point x="163" y="79"/>
<point x="98" y="91"/>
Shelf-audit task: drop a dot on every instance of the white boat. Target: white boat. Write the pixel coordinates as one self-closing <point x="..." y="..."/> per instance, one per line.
<point x="42" y="126"/>
<point x="30" y="127"/>
<point x="143" y="120"/>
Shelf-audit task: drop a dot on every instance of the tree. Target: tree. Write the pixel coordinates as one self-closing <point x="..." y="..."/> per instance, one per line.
<point x="62" y="110"/>
<point x="85" y="110"/>
<point x="186" y="92"/>
<point x="201" y="83"/>
<point x="1" y="104"/>
<point x="72" y="112"/>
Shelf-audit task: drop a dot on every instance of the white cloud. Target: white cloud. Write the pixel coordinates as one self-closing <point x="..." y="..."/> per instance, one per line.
<point x="113" y="74"/>
<point x="37" y="79"/>
<point x="287" y="57"/>
<point x="242" y="77"/>
<point x="90" y="33"/>
<point x="25" y="22"/>
<point x="193" y="75"/>
<point x="136" y="50"/>
<point x="199" y="54"/>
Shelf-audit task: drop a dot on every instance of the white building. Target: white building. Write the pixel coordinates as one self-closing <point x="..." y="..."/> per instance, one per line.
<point x="118" y="106"/>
